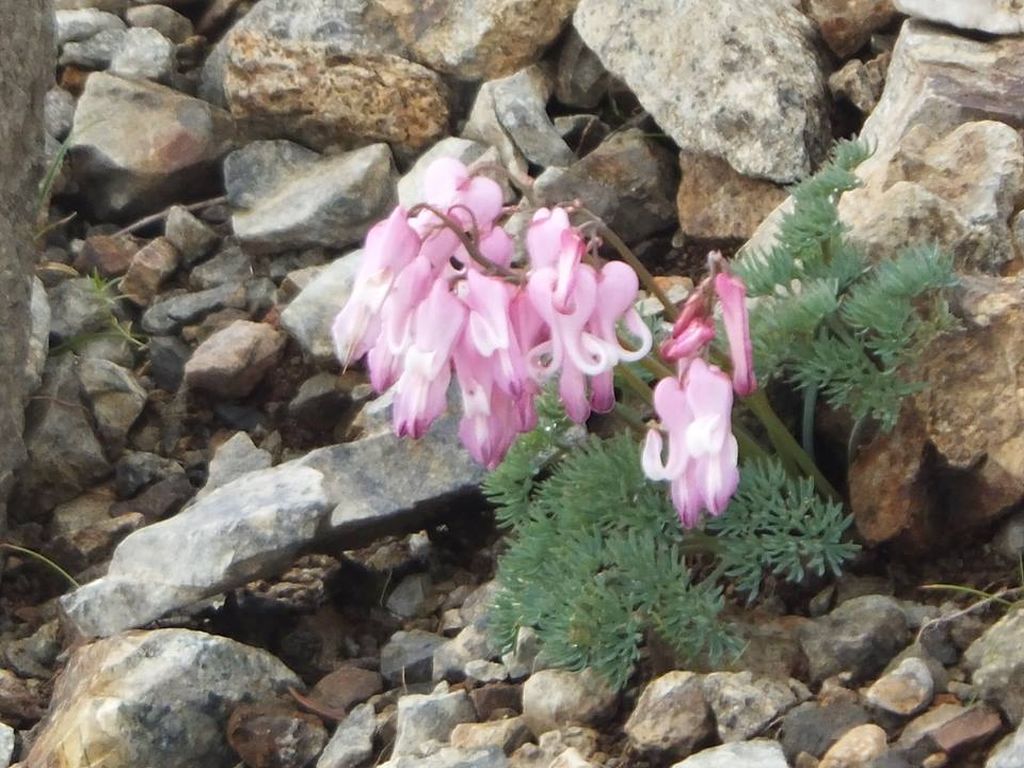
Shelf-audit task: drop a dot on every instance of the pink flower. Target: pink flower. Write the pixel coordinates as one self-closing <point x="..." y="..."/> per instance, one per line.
<point x="473" y="201"/>
<point x="396" y="322"/>
<point x="391" y="245"/>
<point x="702" y="452"/>
<point x="421" y="389"/>
<point x="691" y="333"/>
<point x="732" y="293"/>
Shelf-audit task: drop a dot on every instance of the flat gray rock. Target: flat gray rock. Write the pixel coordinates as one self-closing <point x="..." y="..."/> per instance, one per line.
<point x="309" y="316"/>
<point x="759" y="753"/>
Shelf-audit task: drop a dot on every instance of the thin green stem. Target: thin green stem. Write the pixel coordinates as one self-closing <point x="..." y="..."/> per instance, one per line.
<point x="635" y="383"/>
<point x="630" y="418"/>
<point x="748" y="445"/>
<point x="807" y="420"/>
<point x="789" y="450"/>
<point x="43" y="559"/>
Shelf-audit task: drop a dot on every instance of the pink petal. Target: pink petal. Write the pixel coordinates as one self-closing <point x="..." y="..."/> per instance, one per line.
<point x="544" y="236"/>
<point x="732" y="293"/>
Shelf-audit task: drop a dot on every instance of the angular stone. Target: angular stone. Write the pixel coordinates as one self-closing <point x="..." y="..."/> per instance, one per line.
<point x="408" y="657"/>
<point x="847" y="25"/>
<point x="94" y="52"/>
<point x="671" y="719"/>
<point x="472" y="643"/>
<point x="234" y="458"/>
<point x="167" y="21"/>
<point x="554" y="698"/>
<point x="857" y="747"/>
<point x="309" y="316"/>
<point x="714" y="202"/>
<point x="295" y="199"/>
<point x="581" y="80"/>
<point x="968" y="419"/>
<point x="154" y="698"/>
<point x="1009" y="753"/>
<point x="115" y="397"/>
<point x="352" y="743"/>
<point x="39" y="338"/>
<point x="149" y="269"/>
<point x="230" y="265"/>
<point x="997" y="17"/>
<point x="860" y="83"/>
<point x="741" y="81"/>
<point x="997" y="665"/>
<point x="137" y="145"/>
<point x="6" y="744"/>
<point x="193" y="239"/>
<point x="905" y="691"/>
<point x="310" y="93"/>
<point x="92" y="544"/>
<point x="273" y="735"/>
<point x="144" y="54"/>
<point x="170" y="314"/>
<point x="235" y="359"/>
<point x="81" y="24"/>
<point x="813" y="728"/>
<point x="449" y="757"/>
<point x="859" y="637"/>
<point x="245" y="530"/>
<point x="949" y="728"/>
<point x="759" y="753"/>
<point x="422" y="718"/>
<point x="107" y="255"/>
<point x="743" y="706"/>
<point x="78" y="307"/>
<point x="507" y="735"/>
<point x="628" y="180"/>
<point x="345" y="688"/>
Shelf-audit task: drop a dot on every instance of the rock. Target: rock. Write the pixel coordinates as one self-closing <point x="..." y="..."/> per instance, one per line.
<point x="81" y="24"/>
<point x="59" y="113"/>
<point x="136" y="470"/>
<point x="507" y="735"/>
<point x="235" y="359"/>
<point x="860" y="83"/>
<point x="510" y="115"/>
<point x="275" y="736"/>
<point x="116" y="399"/>
<point x="245" y="530"/>
<point x="35" y="655"/>
<point x="107" y="6"/>
<point x="96" y="52"/>
<point x="905" y="691"/>
<point x="1008" y="542"/>
<point x="310" y="93"/>
<point x="715" y="202"/>
<point x="410" y="186"/>
<point x="742" y="706"/>
<point x="193" y="239"/>
<point x="424" y="717"/>
<point x="957" y="191"/>
<point x="136" y="145"/>
<point x="230" y="265"/>
<point x="346" y="687"/>
<point x="481" y="671"/>
<point x="167" y="21"/>
<point x="759" y="753"/>
<point x="321" y="393"/>
<point x="571" y="758"/>
<point x="409" y="597"/>
<point x="22" y="702"/>
<point x="6" y="744"/>
<point x="107" y="255"/>
<point x="408" y="657"/>
<point x="1008" y="754"/>
<point x="235" y="458"/>
<point x="948" y="728"/>
<point x="554" y="698"/>
<point x="352" y="743"/>
<point x="354" y="26"/>
<point x="309" y="316"/>
<point x="813" y="728"/>
<point x="93" y="544"/>
<point x="144" y="54"/>
<point x="672" y="718"/>
<point x="629" y="181"/>
<point x="553" y="744"/>
<point x="858" y="637"/>
<point x="997" y="665"/>
<point x="167" y="358"/>
<point x="149" y="269"/>
<point x="856" y="748"/>
<point x="451" y="658"/>
<point x="161" y="500"/>
<point x="996" y="17"/>
<point x="78" y="307"/>
<point x="447" y="757"/>
<point x="154" y="698"/>
<point x="521" y="661"/>
<point x="847" y="25"/>
<point x="475" y="40"/>
<point x="294" y="199"/>
<point x="580" y="79"/>
<point x="170" y="314"/>
<point x="741" y="81"/>
<point x="967" y="420"/>
<point x="39" y="338"/>
<point x="64" y="455"/>
<point x="496" y="699"/>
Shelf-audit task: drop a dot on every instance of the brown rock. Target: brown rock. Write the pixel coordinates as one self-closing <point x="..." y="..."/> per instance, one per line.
<point x="346" y="687"/>
<point x="148" y="270"/>
<point x="860" y="83"/>
<point x="495" y="698"/>
<point x="671" y="719"/>
<point x="22" y="702"/>
<point x="508" y="735"/>
<point x="314" y="94"/>
<point x="234" y="360"/>
<point x="846" y="25"/>
<point x="856" y="748"/>
<point x="716" y="202"/>
<point x="950" y="728"/>
<point x="274" y="736"/>
<point x="955" y="460"/>
<point x="478" y="39"/>
<point x="93" y="544"/>
<point x="108" y="255"/>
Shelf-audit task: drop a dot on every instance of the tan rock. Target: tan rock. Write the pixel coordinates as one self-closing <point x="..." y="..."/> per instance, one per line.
<point x="716" y="202"/>
<point x="846" y="25"/>
<point x="234" y="360"/>
<point x="856" y="748"/>
<point x="671" y="718"/>
<point x="322" y="97"/>
<point x="955" y="460"/>
<point x="998" y="17"/>
<point x="148" y="270"/>
<point x="478" y="39"/>
<point x="508" y="735"/>
<point x="860" y="83"/>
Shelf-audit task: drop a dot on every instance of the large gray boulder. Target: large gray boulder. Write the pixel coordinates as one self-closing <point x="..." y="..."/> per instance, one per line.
<point x="26" y="62"/>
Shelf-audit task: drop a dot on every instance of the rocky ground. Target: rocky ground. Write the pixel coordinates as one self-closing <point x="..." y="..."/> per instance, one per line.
<point x="269" y="578"/>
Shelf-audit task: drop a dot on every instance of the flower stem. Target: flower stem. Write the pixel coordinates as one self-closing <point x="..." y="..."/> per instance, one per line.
<point x="635" y="383"/>
<point x="786" y="445"/>
<point x="748" y="445"/>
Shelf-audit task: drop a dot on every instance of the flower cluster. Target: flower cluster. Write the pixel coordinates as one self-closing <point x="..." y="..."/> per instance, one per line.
<point x="437" y="295"/>
<point x="695" y="406"/>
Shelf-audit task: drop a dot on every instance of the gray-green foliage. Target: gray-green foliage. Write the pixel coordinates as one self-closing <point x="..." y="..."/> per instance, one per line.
<point x="597" y="560"/>
<point x="828" y="320"/>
